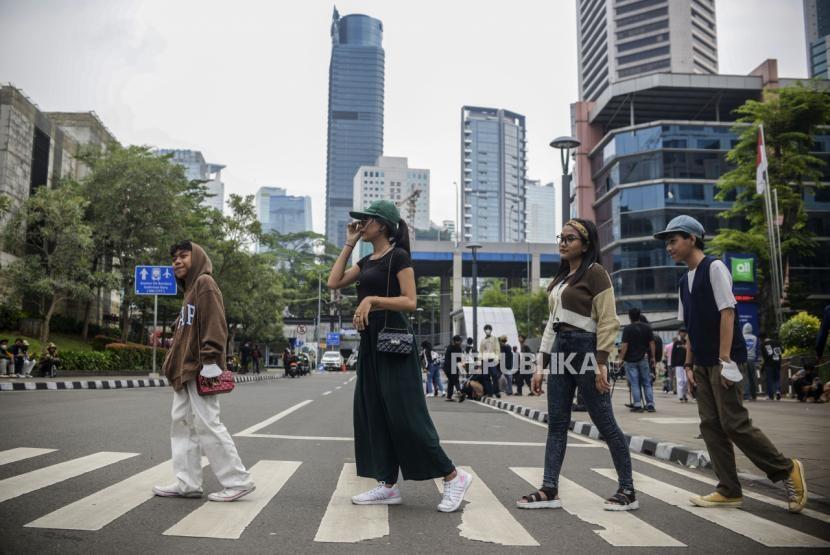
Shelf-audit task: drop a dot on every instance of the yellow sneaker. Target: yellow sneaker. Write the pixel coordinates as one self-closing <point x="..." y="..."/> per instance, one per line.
<point x="796" y="487"/>
<point x="715" y="499"/>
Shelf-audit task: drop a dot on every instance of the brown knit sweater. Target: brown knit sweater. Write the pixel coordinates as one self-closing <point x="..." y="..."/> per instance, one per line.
<point x="588" y="305"/>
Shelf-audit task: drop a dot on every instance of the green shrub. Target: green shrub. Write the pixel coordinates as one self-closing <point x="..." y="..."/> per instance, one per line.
<point x="88" y="361"/>
<point x="132" y="356"/>
<point x="10" y="317"/>
<point x="798" y="334"/>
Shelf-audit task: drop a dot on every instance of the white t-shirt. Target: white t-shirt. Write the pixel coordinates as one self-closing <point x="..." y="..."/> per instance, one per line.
<point x="721" y="281"/>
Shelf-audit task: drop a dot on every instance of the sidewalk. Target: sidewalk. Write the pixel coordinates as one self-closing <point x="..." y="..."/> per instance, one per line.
<point x="798" y="430"/>
<point x="110" y="382"/>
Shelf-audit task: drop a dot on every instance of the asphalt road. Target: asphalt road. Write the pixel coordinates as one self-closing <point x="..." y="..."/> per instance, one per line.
<point x="106" y="444"/>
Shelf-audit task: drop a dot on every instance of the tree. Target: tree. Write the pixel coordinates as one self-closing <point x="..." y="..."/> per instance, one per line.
<point x="55" y="247"/>
<point x="790" y="116"/>
<point x="139" y="204"/>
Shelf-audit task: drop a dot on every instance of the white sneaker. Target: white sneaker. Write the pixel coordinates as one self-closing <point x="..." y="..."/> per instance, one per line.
<point x="231" y="494"/>
<point x="454" y="491"/>
<point x="173" y="491"/>
<point x="379" y="495"/>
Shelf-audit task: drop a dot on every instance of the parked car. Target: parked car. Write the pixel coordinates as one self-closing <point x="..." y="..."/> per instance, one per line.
<point x="351" y="362"/>
<point x="332" y="360"/>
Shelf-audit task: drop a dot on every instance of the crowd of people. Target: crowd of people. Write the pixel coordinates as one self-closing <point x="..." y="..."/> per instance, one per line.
<point x="17" y="362"/>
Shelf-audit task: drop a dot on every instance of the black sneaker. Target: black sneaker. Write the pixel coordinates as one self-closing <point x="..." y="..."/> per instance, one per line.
<point x="636" y="409"/>
<point x="651" y="409"/>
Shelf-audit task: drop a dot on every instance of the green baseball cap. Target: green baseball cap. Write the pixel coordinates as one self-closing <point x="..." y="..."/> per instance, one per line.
<point x="381" y="209"/>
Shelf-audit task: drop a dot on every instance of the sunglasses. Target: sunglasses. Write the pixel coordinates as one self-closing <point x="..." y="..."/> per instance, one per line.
<point x="565" y="239"/>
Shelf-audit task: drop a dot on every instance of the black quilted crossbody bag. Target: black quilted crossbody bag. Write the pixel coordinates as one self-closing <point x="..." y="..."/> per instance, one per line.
<point x="394" y="340"/>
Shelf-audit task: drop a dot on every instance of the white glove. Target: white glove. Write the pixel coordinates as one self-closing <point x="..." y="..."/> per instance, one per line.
<point x="211" y="371"/>
<point x="730" y="371"/>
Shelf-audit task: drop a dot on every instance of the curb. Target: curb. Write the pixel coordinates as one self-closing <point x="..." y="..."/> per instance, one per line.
<point x="667" y="451"/>
<point x="110" y="384"/>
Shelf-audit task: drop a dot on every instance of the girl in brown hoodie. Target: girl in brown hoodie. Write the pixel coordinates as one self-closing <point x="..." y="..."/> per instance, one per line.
<point x="199" y="340"/>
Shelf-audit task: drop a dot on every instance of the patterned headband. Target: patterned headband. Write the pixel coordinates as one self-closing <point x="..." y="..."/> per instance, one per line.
<point x="579" y="228"/>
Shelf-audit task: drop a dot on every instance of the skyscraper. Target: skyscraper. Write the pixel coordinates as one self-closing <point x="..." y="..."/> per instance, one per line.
<point x="817" y="33"/>
<point x="355" y="112"/>
<point x="620" y="39"/>
<point x="493" y="173"/>
<point x="197" y="169"/>
<point x="540" y="224"/>
<point x="278" y="211"/>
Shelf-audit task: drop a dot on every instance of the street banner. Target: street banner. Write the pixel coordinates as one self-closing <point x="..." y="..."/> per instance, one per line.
<point x="761" y="163"/>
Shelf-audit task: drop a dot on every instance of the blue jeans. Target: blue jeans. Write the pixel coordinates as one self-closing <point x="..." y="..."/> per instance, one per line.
<point x="561" y="388"/>
<point x="772" y="374"/>
<point x="639" y="374"/>
<point x="434" y="377"/>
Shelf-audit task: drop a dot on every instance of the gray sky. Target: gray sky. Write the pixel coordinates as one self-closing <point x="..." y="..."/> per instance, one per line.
<point x="246" y="82"/>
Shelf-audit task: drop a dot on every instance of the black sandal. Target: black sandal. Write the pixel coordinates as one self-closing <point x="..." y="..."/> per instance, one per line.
<point x="623" y="500"/>
<point x="536" y="501"/>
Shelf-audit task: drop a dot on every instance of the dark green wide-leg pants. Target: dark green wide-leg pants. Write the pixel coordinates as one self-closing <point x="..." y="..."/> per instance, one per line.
<point x="392" y="427"/>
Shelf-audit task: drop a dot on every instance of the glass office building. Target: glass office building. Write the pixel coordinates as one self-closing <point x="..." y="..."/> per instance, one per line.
<point x="355" y="112"/>
<point x="664" y="158"/>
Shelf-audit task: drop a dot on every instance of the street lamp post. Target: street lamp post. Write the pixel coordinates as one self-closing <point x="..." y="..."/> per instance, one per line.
<point x="474" y="247"/>
<point x="432" y="297"/>
<point x="565" y="144"/>
<point x="420" y="312"/>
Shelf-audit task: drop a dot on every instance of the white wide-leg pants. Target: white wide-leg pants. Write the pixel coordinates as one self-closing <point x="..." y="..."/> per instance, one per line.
<point x="682" y="382"/>
<point x="196" y="429"/>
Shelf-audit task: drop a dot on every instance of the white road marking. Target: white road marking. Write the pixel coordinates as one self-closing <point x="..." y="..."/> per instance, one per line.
<point x="102" y="507"/>
<point x="268" y="421"/>
<point x="229" y="520"/>
<point x="21" y="453"/>
<point x="339" y="387"/>
<point x="677" y="469"/>
<point x="765" y="532"/>
<point x="344" y="522"/>
<point x="47" y="476"/>
<point x="621" y="529"/>
<point x="485" y="519"/>
<point x="346" y="382"/>
<point x="671" y="420"/>
<point x="326" y="393"/>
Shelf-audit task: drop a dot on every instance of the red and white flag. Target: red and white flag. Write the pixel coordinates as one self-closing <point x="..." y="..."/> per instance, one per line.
<point x="761" y="163"/>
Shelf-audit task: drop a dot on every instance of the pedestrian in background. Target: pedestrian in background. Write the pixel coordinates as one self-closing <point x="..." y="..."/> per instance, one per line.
<point x="48" y="366"/>
<point x="716" y="351"/>
<point x="199" y="340"/>
<point x="637" y="355"/>
<point x="490" y="352"/>
<point x="678" y="359"/>
<point x="433" y="370"/>
<point x="245" y="353"/>
<point x="581" y="329"/>
<point x="6" y="359"/>
<point x="18" y="351"/>
<point x="771" y="366"/>
<point x="750" y="378"/>
<point x="507" y="370"/>
<point x="393" y="432"/>
<point x="524" y="375"/>
<point x="256" y="356"/>
<point x="453" y="358"/>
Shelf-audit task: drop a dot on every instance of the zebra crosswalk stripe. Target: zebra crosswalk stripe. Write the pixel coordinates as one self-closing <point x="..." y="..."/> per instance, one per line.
<point x="47" y="476"/>
<point x="485" y="519"/>
<point x="229" y="520"/>
<point x="21" y="453"/>
<point x="102" y="507"/>
<point x="763" y="531"/>
<point x="347" y="523"/>
<point x="620" y="529"/>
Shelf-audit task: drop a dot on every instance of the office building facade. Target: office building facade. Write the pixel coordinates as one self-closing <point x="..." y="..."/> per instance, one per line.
<point x="355" y="112"/>
<point x="540" y="222"/>
<point x="638" y="167"/>
<point x="197" y="169"/>
<point x="283" y="213"/>
<point x="817" y="33"/>
<point x="621" y="39"/>
<point x="493" y="174"/>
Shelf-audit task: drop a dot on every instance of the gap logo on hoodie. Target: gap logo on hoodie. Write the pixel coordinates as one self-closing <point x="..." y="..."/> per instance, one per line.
<point x="187" y="314"/>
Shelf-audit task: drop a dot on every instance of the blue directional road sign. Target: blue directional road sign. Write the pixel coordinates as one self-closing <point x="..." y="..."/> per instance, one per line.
<point x="155" y="280"/>
<point x="333" y="339"/>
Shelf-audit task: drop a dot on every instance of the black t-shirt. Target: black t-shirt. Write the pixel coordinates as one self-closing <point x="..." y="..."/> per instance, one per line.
<point x="373" y="276"/>
<point x="638" y="336"/>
